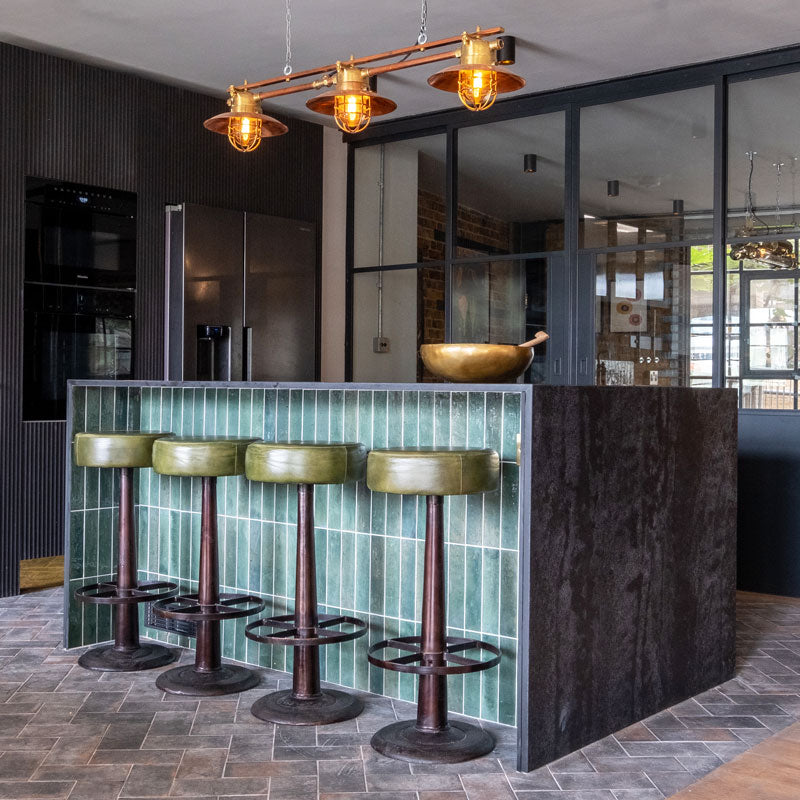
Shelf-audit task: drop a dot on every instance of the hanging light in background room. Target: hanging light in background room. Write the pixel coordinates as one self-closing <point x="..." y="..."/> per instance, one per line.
<point x="677" y="208"/>
<point x="529" y="162"/>
<point x="353" y="102"/>
<point x="612" y="187"/>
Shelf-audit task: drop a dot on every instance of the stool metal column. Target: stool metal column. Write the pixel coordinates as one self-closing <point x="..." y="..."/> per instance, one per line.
<point x="432" y="737"/>
<point x="306" y="703"/>
<point x="126" y="451"/>
<point x="207" y="457"/>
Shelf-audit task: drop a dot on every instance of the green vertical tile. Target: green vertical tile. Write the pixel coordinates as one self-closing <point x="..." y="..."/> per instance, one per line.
<point x="394" y="419"/>
<point x="391" y="630"/>
<point x="410" y="419"/>
<point x="419" y="572"/>
<point x="323" y="567"/>
<point x="309" y="415"/>
<point x="457" y="518"/>
<point x="365" y="418"/>
<point x="92" y="414"/>
<point x="374" y="676"/>
<point x="321" y="506"/>
<point x="322" y="416"/>
<point x="282" y="502"/>
<point x="76" y="546"/>
<point x="362" y="593"/>
<point x="379" y="419"/>
<point x="408" y="558"/>
<point x="134" y="408"/>
<point x="255" y="496"/>
<point x="267" y="545"/>
<point x="507" y="682"/>
<point x="347" y="577"/>
<point x="198" y="411"/>
<point x="103" y="629"/>
<point x="282" y="415"/>
<point x="121" y="409"/>
<point x="272" y="401"/>
<point x="242" y="555"/>
<point x="291" y="560"/>
<point x="243" y="486"/>
<point x="489" y="687"/>
<point x="239" y="639"/>
<point x="164" y="540"/>
<point x="74" y="616"/>
<point x="336" y="427"/>
<point x="490" y="601"/>
<point x="455" y="686"/>
<point x="455" y="585"/>
<point x="347" y="662"/>
<point x="494" y="420"/>
<point x="114" y="538"/>
<point x="184" y="545"/>
<point x="491" y="519"/>
<point x="392" y="584"/>
<point x="394" y="518"/>
<point x="106" y="536"/>
<point x="348" y="506"/>
<point x="92" y="487"/>
<point x="195" y="545"/>
<point x="511" y="426"/>
<point x="508" y="593"/>
<point x="245" y="412"/>
<point x="77" y="485"/>
<point x="350" y="417"/>
<point x="333" y="512"/>
<point x="268" y="502"/>
<point x="425" y="419"/>
<point x="257" y="413"/>
<point x="295" y="414"/>
<point x="458" y="419"/>
<point x="377" y="507"/>
<point x="472" y="591"/>
<point x="229" y="546"/>
<point x="91" y="544"/>
<point x="78" y="408"/>
<point x="407" y="688"/>
<point x="509" y="506"/>
<point x="473" y="523"/>
<point x="441" y="424"/>
<point x="472" y="693"/>
<point x="333" y="558"/>
<point x="408" y="515"/>
<point x="476" y="419"/>
<point x="279" y="560"/>
<point x="363" y="507"/>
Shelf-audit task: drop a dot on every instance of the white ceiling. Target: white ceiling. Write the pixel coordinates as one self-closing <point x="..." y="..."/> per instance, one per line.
<point x="209" y="44"/>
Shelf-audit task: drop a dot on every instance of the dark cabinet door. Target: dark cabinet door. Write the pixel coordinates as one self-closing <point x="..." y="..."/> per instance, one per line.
<point x="280" y="299"/>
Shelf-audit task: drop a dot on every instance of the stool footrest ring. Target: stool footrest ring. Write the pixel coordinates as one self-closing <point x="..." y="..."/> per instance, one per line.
<point x="293" y="636"/>
<point x="187" y="607"/>
<point x="108" y="593"/>
<point x="420" y="664"/>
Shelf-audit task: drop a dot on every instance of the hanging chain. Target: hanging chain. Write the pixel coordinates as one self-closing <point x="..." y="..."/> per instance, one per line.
<point x="423" y="24"/>
<point x="778" y="167"/>
<point x="748" y="213"/>
<point x="287" y="70"/>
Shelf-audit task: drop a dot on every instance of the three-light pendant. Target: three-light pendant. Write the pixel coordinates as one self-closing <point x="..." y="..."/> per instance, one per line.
<point x="351" y="98"/>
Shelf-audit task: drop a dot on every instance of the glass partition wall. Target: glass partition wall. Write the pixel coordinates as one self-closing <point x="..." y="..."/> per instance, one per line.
<point x="651" y="225"/>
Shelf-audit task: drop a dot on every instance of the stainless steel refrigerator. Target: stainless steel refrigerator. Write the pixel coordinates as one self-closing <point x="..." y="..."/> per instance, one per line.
<point x="242" y="296"/>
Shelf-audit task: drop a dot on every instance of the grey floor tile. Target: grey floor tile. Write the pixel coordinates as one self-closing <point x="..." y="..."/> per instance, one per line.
<point x="341" y="776"/>
<point x="302" y="788"/>
<point x="149" y="780"/>
<point x="487" y="787"/>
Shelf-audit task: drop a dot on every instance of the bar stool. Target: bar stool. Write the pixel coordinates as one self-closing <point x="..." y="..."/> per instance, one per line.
<point x="305" y="464"/>
<point x="206" y="457"/>
<point x="123" y="450"/>
<point x="431" y="738"/>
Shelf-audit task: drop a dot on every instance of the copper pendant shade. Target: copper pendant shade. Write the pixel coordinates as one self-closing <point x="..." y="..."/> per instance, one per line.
<point x="245" y="125"/>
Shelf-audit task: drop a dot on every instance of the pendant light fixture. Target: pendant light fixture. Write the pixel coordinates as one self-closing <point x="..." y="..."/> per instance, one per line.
<point x="353" y="102"/>
<point x="245" y="125"/>
<point x="778" y="254"/>
<point x="477" y="79"/>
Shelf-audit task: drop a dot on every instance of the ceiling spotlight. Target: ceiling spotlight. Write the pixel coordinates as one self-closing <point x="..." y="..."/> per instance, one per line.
<point x="477" y="79"/>
<point x="244" y="124"/>
<point x="506" y="53"/>
<point x="352" y="103"/>
<point x="529" y="162"/>
<point x="677" y="208"/>
<point x="613" y="188"/>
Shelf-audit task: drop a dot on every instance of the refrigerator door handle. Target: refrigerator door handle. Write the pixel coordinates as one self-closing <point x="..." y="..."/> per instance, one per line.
<point x="248" y="353"/>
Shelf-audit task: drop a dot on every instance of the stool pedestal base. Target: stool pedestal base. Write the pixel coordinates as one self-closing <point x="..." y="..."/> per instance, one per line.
<point x="459" y="741"/>
<point x="226" y="679"/>
<point x="145" y="656"/>
<point x="286" y="709"/>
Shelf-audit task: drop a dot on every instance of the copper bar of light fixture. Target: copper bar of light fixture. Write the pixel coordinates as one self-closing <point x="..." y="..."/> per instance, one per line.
<point x="376" y="57"/>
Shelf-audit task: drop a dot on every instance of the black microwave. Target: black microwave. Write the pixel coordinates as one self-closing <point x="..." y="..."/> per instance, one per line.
<point x="79" y="235"/>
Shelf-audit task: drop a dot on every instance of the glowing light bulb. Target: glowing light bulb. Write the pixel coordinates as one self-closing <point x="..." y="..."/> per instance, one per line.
<point x="352" y="112"/>
<point x="477" y="88"/>
<point x="244" y="133"/>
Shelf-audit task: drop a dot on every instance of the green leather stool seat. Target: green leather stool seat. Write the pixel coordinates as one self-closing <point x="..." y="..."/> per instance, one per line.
<point x="432" y="471"/>
<point x="200" y="456"/>
<point x="115" y="448"/>
<point x="305" y="462"/>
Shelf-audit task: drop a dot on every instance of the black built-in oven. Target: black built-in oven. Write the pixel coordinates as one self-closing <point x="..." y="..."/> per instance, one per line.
<point x="80" y="284"/>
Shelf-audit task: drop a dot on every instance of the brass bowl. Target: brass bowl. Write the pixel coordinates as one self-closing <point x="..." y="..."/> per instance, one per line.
<point x="476" y="363"/>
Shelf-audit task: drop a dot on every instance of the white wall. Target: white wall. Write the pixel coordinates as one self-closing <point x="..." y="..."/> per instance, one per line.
<point x="334" y="226"/>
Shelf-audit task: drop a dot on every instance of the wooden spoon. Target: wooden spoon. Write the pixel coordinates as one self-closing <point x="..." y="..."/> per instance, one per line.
<point x="538" y="339"/>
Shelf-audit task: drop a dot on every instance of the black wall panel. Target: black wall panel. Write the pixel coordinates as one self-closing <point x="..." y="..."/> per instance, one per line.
<point x="74" y="122"/>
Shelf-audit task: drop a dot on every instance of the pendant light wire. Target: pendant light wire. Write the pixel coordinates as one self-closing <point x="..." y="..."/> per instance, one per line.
<point x="287" y="69"/>
<point x="423" y="23"/>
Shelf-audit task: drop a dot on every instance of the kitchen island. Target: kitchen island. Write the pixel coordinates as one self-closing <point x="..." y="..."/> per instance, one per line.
<point x="603" y="567"/>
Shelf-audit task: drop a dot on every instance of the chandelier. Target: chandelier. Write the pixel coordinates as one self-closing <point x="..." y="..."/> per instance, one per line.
<point x="352" y="99"/>
<point x="777" y="254"/>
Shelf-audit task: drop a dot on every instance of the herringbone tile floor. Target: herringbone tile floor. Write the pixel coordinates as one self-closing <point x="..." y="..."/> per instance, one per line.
<point x="69" y="733"/>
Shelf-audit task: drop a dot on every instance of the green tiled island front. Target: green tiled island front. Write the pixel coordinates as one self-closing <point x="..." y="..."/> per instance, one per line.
<point x="369" y="545"/>
<point x="603" y="567"/>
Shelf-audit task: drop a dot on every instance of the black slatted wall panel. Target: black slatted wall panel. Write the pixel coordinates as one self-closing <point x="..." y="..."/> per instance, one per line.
<point x="71" y="121"/>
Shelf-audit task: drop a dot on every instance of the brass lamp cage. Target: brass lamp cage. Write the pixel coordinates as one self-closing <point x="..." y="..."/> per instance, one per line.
<point x="352" y="112"/>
